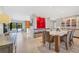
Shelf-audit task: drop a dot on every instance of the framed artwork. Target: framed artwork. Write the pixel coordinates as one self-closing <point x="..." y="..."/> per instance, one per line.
<point x="27" y="24"/>
<point x="41" y="22"/>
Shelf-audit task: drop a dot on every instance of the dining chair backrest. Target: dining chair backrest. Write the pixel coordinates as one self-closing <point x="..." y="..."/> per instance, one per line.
<point x="43" y="35"/>
<point x="46" y="35"/>
<point x="69" y="35"/>
<point x="72" y="34"/>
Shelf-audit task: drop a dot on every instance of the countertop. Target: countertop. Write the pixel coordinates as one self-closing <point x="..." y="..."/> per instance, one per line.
<point x="4" y="41"/>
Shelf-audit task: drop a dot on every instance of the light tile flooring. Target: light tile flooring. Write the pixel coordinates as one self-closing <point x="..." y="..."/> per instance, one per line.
<point x="26" y="44"/>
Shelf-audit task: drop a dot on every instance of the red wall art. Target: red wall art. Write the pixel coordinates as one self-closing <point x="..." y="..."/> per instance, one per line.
<point x="41" y="22"/>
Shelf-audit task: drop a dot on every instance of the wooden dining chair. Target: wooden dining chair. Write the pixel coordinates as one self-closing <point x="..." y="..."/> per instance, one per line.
<point x="66" y="39"/>
<point x="47" y="38"/>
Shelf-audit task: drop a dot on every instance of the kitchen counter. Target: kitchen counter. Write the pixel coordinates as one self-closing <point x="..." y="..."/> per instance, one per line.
<point x="6" y="46"/>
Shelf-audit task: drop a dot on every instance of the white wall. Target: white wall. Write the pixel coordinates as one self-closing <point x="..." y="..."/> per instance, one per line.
<point x="1" y="9"/>
<point x="1" y="28"/>
<point x="48" y="22"/>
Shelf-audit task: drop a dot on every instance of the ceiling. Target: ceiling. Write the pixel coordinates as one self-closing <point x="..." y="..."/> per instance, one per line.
<point x="20" y="12"/>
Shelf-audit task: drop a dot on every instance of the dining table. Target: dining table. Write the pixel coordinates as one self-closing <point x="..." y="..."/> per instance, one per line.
<point x="57" y="36"/>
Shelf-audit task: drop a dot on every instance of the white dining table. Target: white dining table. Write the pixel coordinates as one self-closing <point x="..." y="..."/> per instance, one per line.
<point x="60" y="33"/>
<point x="57" y="36"/>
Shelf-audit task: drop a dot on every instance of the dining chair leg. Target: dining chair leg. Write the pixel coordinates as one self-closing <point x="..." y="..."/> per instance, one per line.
<point x="66" y="46"/>
<point x="14" y="49"/>
<point x="49" y="46"/>
<point x="43" y="41"/>
<point x="71" y="43"/>
<point x="66" y="42"/>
